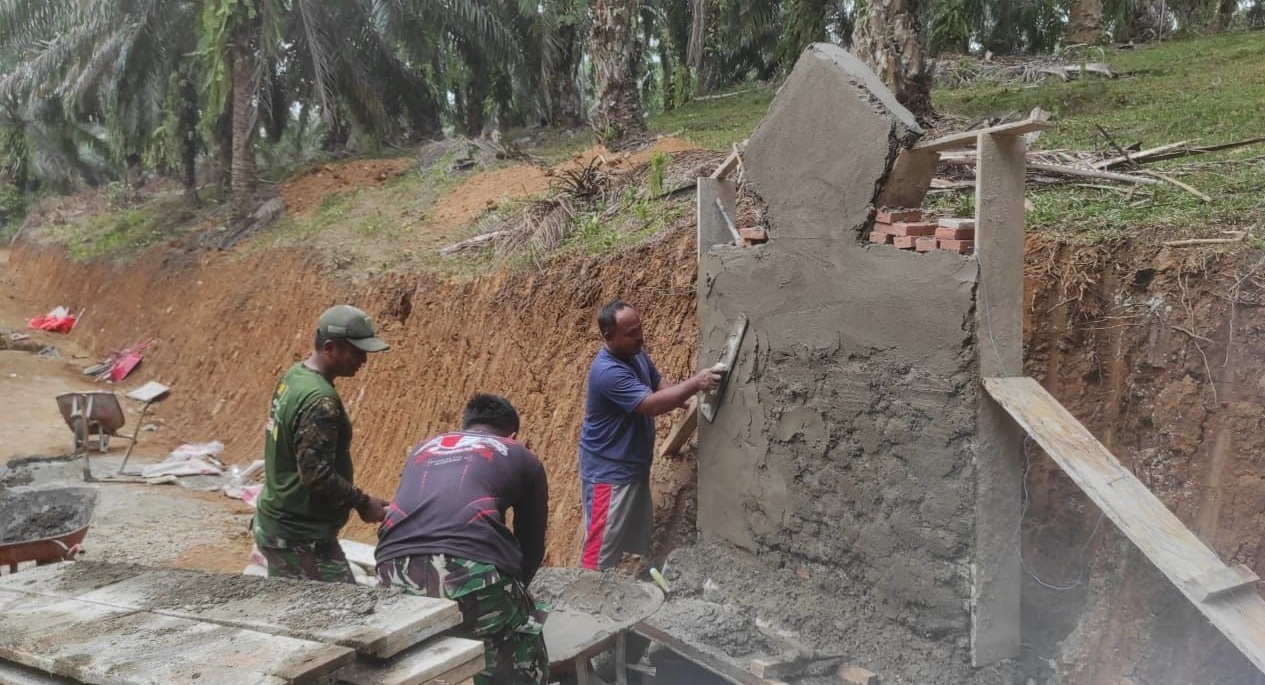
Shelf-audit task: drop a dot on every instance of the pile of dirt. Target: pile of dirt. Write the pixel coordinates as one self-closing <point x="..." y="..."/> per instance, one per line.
<point x="307" y="189"/>
<point x="485" y="190"/>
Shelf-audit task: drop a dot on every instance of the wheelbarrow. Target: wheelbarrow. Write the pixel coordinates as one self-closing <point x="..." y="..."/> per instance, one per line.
<point x="91" y="414"/>
<point x="591" y="613"/>
<point x="44" y="525"/>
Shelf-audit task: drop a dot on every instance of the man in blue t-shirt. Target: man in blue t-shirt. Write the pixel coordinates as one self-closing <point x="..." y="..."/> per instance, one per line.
<point x="625" y="392"/>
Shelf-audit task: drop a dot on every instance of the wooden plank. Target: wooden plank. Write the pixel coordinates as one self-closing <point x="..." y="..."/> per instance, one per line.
<point x="855" y="675"/>
<point x="1215" y="584"/>
<point x="1137" y="512"/>
<point x="730" y="163"/>
<point x="449" y="659"/>
<point x="15" y="674"/>
<point x="682" y="429"/>
<point x="964" y="139"/>
<point x="351" y="616"/>
<point x="95" y="643"/>
<point x="1139" y="156"/>
<point x="723" y="668"/>
<point x="1090" y="173"/>
<point x="910" y="179"/>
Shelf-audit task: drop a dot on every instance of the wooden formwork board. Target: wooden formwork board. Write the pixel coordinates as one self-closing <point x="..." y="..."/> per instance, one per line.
<point x="1233" y="607"/>
<point x="100" y="644"/>
<point x="383" y="626"/>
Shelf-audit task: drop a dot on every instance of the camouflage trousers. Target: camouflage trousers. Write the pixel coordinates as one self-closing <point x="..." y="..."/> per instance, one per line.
<point x="303" y="559"/>
<point x="495" y="608"/>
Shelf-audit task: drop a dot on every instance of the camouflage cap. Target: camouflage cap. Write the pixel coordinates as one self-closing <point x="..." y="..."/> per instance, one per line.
<point x="345" y="322"/>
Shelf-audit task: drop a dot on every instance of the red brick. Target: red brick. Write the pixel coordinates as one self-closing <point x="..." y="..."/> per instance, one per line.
<point x="904" y="242"/>
<point x="753" y="236"/>
<point x="880" y="237"/>
<point x="954" y="222"/>
<point x="958" y="246"/>
<point x="913" y="228"/>
<point x="925" y="244"/>
<point x="891" y="216"/>
<point x="955" y="233"/>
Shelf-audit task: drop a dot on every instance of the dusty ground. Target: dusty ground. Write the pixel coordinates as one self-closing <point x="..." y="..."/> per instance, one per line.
<point x="164" y="525"/>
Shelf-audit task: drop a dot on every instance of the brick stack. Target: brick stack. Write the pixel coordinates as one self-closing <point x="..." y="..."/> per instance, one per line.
<point x="906" y="229"/>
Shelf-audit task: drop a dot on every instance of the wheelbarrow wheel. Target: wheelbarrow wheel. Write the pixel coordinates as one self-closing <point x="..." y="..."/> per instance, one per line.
<point x="103" y="440"/>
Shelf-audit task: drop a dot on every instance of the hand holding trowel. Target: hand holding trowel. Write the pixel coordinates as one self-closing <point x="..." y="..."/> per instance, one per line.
<point x="710" y="402"/>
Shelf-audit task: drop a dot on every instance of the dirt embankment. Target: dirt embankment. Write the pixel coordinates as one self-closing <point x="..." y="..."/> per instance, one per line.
<point x="229" y="324"/>
<point x="1157" y="351"/>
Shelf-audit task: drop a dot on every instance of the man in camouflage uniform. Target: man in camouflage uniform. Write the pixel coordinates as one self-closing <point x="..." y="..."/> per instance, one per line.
<point x="309" y="486"/>
<point x="445" y="536"/>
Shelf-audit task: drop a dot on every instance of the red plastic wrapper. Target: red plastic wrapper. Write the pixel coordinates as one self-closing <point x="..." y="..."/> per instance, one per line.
<point x="53" y="324"/>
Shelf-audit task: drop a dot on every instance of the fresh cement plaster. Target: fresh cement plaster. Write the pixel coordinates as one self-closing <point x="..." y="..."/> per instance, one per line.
<point x="996" y="566"/>
<point x="847" y="437"/>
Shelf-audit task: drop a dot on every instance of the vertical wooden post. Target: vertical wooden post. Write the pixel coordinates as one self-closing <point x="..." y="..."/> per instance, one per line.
<point x="999" y="235"/>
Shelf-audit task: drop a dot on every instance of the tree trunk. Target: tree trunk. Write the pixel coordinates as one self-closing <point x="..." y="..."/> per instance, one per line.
<point x="1225" y="14"/>
<point x="564" y="94"/>
<point x="245" y="173"/>
<point x="475" y="116"/>
<point x="1148" y="20"/>
<point x="888" y="37"/>
<point x="613" y="49"/>
<point x="698" y="36"/>
<point x="1085" y="22"/>
<point x="188" y="132"/>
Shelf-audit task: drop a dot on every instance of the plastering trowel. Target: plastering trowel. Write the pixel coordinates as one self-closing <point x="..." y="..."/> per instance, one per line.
<point x="711" y="400"/>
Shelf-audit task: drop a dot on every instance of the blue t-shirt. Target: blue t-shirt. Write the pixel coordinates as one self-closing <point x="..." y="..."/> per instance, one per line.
<point x="617" y="443"/>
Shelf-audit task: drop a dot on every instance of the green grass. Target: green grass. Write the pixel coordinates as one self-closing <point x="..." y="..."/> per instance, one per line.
<point x="1205" y="91"/>
<point x="125" y="232"/>
<point x="720" y="122"/>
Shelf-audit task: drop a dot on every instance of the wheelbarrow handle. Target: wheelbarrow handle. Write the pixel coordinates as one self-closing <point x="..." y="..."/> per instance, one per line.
<point x="69" y="553"/>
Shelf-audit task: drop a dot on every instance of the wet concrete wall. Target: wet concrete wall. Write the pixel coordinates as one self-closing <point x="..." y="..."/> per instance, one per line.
<point x="847" y="433"/>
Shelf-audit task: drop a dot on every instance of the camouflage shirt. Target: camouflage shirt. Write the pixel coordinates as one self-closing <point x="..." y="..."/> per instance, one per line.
<point x="309" y="477"/>
<point x="316" y="446"/>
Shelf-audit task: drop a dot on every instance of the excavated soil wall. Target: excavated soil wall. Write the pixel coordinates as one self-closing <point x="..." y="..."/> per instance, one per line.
<point x="1158" y="351"/>
<point x="229" y="324"/>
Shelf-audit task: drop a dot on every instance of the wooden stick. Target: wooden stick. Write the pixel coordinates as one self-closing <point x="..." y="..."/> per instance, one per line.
<point x="727" y="166"/>
<point x="1179" y="184"/>
<point x="705" y="98"/>
<point x="1202" y="149"/>
<point x="1089" y="173"/>
<point x="968" y="138"/>
<point x="682" y="429"/>
<point x="730" y="223"/>
<point x="1206" y="241"/>
<point x="1136" y="157"/>
<point x="477" y="241"/>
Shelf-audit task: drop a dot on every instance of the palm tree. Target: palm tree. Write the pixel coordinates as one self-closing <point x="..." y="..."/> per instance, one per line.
<point x="612" y="48"/>
<point x="1085" y="22"/>
<point x="888" y="37"/>
<point x="103" y="63"/>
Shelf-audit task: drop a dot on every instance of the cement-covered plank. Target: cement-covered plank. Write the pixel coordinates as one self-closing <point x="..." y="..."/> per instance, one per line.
<point x="1135" y="510"/>
<point x="103" y="645"/>
<point x="371" y="622"/>
<point x="449" y="659"/>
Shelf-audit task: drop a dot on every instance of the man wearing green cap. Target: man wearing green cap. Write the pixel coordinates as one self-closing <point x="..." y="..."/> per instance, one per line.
<point x="308" y="488"/>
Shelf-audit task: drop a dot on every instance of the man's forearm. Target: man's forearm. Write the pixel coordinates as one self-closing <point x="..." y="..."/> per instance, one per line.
<point x="668" y="398"/>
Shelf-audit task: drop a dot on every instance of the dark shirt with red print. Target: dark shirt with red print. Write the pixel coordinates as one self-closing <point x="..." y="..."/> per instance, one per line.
<point x="452" y="500"/>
